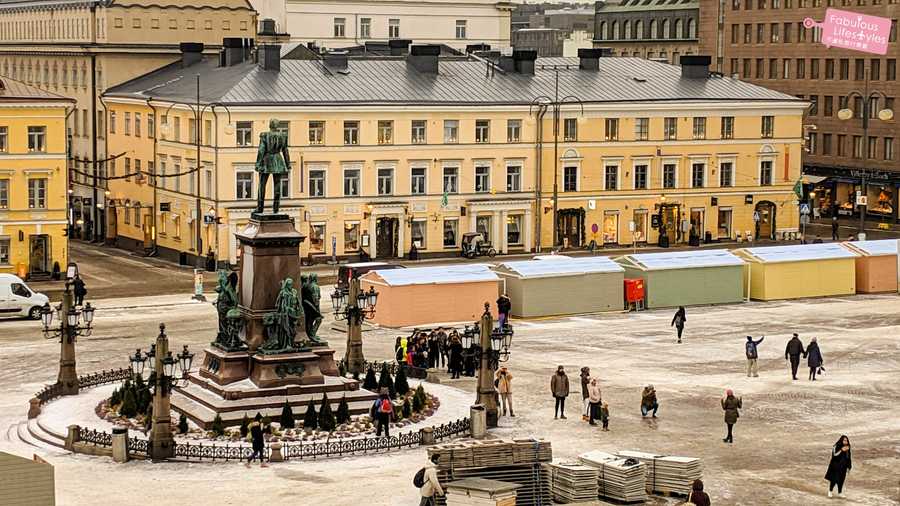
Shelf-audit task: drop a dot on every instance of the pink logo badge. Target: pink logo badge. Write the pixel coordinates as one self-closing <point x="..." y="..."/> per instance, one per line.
<point x="851" y="30"/>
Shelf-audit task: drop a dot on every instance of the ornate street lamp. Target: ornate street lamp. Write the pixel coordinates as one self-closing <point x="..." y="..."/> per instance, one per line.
<point x="72" y="323"/>
<point x="493" y="349"/>
<point x="355" y="306"/>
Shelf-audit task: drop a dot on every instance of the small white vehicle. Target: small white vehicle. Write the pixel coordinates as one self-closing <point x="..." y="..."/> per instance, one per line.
<point x="16" y="299"/>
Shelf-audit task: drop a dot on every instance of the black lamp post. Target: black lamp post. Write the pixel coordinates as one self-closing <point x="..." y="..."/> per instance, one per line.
<point x="73" y="322"/>
<point x="491" y="348"/>
<point x="354" y="306"/>
<point x="166" y="371"/>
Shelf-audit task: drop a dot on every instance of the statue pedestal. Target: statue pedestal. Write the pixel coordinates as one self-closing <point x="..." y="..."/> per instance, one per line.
<point x="225" y="367"/>
<point x="301" y="368"/>
<point x="269" y="253"/>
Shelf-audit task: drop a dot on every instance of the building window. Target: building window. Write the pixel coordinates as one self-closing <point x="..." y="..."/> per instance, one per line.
<point x="612" y="129"/>
<point x="482" y="179"/>
<point x="4" y="250"/>
<point x="514" y="179"/>
<point x="176" y="129"/>
<point x="891" y="70"/>
<point x="670" y="129"/>
<point x="385" y="181"/>
<point x="482" y="130"/>
<point x="243" y="185"/>
<point x="669" y="175"/>
<point x="112" y="122"/>
<point x="826" y="144"/>
<point x="4" y="193"/>
<point x="841" y="145"/>
<point x="340" y="27"/>
<point x="451" y="226"/>
<point x="316" y="183"/>
<point x="451" y="180"/>
<point x="774" y="35"/>
<point x="698" y="175"/>
<point x="37" y="193"/>
<point x="888" y="148"/>
<point x="283" y="188"/>
<point x="4" y="139"/>
<point x="641" y="129"/>
<point x="418" y="131"/>
<point x="419" y="229"/>
<point x="857" y="146"/>
<point x="385" y="132"/>
<point x="873" y="147"/>
<point x="829" y="68"/>
<point x="351" y="236"/>
<point x="813" y="105"/>
<point x="513" y="130"/>
<point x="727" y="129"/>
<point x="351" y="182"/>
<point x="365" y="30"/>
<point x="244" y="133"/>
<point x="151" y="126"/>
<point x="417" y="181"/>
<point x="351" y="133"/>
<point x="137" y="124"/>
<point x="768" y="127"/>
<point x="37" y="139"/>
<point x="570" y="129"/>
<point x="570" y="179"/>
<point x="765" y="173"/>
<point x="844" y="69"/>
<point x="451" y="131"/>
<point x="875" y="69"/>
<point x="394" y="28"/>
<point x="699" y="128"/>
<point x="460" y="28"/>
<point x="316" y="237"/>
<point x="640" y="177"/>
<point x="760" y="33"/>
<point x="760" y="68"/>
<point x="316" y="132"/>
<point x="724" y="228"/>
<point x="726" y="174"/>
<point x="611" y="177"/>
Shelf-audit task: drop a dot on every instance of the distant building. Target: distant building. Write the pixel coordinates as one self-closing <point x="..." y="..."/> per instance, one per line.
<point x="546" y="41"/>
<point x="663" y="29"/>
<point x="33" y="181"/>
<point x="568" y="19"/>
<point x="339" y="23"/>
<point x="575" y="41"/>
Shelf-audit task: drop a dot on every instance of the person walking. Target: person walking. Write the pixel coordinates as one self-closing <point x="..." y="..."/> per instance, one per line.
<point x="697" y="496"/>
<point x="504" y="306"/>
<point x="585" y="396"/>
<point x="678" y="321"/>
<point x="752" y="355"/>
<point x="504" y="387"/>
<point x="648" y="401"/>
<point x="814" y="358"/>
<point x="731" y="405"/>
<point x="383" y="412"/>
<point x="594" y="400"/>
<point x="834" y="228"/>
<point x="559" y="387"/>
<point x="79" y="290"/>
<point x="792" y="352"/>
<point x="430" y="486"/>
<point x="839" y="465"/>
<point x="256" y="432"/>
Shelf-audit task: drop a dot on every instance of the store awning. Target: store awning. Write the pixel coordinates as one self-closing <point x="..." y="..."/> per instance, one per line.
<point x="813" y="179"/>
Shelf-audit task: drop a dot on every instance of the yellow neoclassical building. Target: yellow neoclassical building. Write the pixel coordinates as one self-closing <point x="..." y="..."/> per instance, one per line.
<point x="388" y="153"/>
<point x="33" y="182"/>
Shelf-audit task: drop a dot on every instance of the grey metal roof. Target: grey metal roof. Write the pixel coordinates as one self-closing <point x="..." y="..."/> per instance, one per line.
<point x="377" y="81"/>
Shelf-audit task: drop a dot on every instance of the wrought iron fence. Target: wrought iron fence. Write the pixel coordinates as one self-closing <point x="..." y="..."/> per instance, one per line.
<point x="104" y="377"/>
<point x="452" y="429"/>
<point x="200" y="451"/>
<point x="138" y="446"/>
<point x="48" y="393"/>
<point x="95" y="437"/>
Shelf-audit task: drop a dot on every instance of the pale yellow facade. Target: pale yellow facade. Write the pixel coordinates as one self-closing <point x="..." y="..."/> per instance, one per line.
<point x="79" y="50"/>
<point x="497" y="189"/>
<point x="33" y="182"/>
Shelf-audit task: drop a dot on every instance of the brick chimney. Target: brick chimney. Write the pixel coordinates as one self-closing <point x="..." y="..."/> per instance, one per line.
<point x="424" y="58"/>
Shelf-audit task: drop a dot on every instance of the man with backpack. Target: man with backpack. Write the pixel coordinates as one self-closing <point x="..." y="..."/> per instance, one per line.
<point x="752" y="355"/>
<point x="382" y="412"/>
<point x="426" y="480"/>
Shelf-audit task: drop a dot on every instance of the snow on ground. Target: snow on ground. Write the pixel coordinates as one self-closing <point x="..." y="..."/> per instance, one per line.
<point x="781" y="444"/>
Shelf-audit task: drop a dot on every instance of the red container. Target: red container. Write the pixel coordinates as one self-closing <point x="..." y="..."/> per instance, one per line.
<point x="634" y="290"/>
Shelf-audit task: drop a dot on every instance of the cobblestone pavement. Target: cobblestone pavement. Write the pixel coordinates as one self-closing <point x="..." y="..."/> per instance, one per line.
<point x="782" y="439"/>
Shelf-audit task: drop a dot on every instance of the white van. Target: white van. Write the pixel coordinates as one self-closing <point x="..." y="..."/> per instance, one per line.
<point x="16" y="299"/>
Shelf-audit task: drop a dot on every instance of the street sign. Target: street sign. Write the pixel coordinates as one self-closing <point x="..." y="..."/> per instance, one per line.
<point x="804" y="209"/>
<point x="198" y="282"/>
<point x="862" y="201"/>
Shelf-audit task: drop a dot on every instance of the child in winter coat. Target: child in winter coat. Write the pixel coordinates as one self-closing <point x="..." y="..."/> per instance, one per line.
<point x="604" y="415"/>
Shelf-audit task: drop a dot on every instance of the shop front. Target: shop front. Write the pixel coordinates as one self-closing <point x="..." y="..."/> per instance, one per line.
<point x="834" y="191"/>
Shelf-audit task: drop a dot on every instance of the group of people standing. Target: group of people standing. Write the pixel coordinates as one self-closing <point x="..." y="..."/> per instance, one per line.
<point x="793" y="351"/>
<point x="431" y="349"/>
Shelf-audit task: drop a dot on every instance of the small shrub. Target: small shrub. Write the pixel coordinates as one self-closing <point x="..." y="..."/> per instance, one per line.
<point x="407" y="408"/>
<point x="287" y="416"/>
<point x="401" y="385"/>
<point x="218" y="426"/>
<point x="343" y="411"/>
<point x="128" y="408"/>
<point x="245" y="426"/>
<point x="385" y="381"/>
<point x="327" y="420"/>
<point x="182" y="424"/>
<point x="371" y="382"/>
<point x="310" y="419"/>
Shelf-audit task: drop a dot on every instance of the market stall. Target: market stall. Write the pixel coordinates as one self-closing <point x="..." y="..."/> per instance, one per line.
<point x="684" y="278"/>
<point x="798" y="271"/>
<point x="429" y="295"/>
<point x="563" y="285"/>
<point x="876" y="267"/>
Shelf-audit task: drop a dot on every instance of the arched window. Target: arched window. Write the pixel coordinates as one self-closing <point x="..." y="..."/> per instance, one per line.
<point x="638" y="30"/>
<point x="626" y="30"/>
<point x="602" y="31"/>
<point x="678" y="29"/>
<point x="653" y="28"/>
<point x="665" y="29"/>
<point x="614" y="34"/>
<point x="691" y="28"/>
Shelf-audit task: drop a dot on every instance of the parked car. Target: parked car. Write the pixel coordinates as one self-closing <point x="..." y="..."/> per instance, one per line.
<point x="352" y="271"/>
<point x="16" y="299"/>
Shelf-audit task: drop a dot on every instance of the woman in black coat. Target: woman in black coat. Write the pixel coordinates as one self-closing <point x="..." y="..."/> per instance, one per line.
<point x="839" y="465"/>
<point x="678" y="321"/>
<point x="814" y="358"/>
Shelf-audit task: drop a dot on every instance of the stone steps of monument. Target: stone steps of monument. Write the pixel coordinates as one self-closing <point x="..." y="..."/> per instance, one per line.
<point x="203" y="415"/>
<point x="45" y="427"/>
<point x="37" y="432"/>
<point x="26" y="437"/>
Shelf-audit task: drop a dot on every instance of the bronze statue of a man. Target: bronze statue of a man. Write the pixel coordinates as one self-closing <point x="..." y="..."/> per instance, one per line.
<point x="281" y="325"/>
<point x="272" y="158"/>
